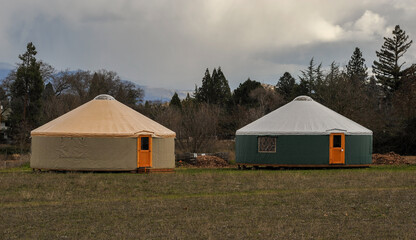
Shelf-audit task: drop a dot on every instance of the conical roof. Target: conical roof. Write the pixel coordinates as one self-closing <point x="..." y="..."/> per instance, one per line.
<point x="303" y="116"/>
<point x="102" y="117"/>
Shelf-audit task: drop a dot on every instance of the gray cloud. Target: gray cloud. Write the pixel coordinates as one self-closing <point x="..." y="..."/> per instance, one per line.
<point x="170" y="43"/>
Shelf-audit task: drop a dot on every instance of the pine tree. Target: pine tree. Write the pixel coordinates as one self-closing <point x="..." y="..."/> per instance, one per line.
<point x="224" y="88"/>
<point x="188" y="101"/>
<point x="388" y="69"/>
<point x="202" y="92"/>
<point x="241" y="94"/>
<point x="94" y="89"/>
<point x="356" y="68"/>
<point x="311" y="77"/>
<point x="333" y="85"/>
<point x="48" y="92"/>
<point x="286" y="86"/>
<point x="175" y="101"/>
<point x="333" y="73"/>
<point x="214" y="89"/>
<point x="26" y="94"/>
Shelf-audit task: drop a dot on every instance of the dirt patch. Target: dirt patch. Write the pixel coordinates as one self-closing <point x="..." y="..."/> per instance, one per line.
<point x="390" y="158"/>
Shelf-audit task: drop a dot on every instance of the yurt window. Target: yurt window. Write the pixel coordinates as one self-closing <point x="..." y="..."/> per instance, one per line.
<point x="337" y="141"/>
<point x="145" y="143"/>
<point x="267" y="144"/>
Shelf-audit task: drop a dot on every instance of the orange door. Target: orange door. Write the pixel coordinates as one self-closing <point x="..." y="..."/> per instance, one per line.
<point x="144" y="151"/>
<point x="337" y="148"/>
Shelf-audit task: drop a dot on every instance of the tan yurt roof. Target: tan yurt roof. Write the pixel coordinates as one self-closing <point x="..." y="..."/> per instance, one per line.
<point x="102" y="117"/>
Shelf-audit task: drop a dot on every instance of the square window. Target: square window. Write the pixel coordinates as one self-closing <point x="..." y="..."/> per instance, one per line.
<point x="145" y="143"/>
<point x="267" y="144"/>
<point x="337" y="141"/>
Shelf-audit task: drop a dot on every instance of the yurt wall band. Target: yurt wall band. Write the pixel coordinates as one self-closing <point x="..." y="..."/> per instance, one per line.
<point x="83" y="153"/>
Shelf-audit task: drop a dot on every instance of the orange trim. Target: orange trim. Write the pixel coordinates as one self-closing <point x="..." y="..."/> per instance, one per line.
<point x="139" y="151"/>
<point x="336" y="154"/>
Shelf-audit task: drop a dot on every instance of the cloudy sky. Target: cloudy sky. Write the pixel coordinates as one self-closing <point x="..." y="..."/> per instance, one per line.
<point x="170" y="43"/>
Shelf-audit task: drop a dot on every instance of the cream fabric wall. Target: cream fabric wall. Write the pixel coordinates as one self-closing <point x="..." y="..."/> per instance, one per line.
<point x="163" y="153"/>
<point x="82" y="153"/>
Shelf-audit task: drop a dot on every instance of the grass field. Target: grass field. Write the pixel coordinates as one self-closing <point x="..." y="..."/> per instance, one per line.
<point x="374" y="203"/>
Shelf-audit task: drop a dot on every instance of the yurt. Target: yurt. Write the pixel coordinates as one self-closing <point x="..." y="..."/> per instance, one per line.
<point x="304" y="133"/>
<point x="103" y="135"/>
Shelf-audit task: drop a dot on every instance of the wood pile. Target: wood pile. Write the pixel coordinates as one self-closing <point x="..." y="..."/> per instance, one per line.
<point x="390" y="158"/>
<point x="203" y="161"/>
<point x="210" y="161"/>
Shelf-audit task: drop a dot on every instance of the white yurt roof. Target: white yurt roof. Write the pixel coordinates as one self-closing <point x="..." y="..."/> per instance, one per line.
<point x="104" y="117"/>
<point x="303" y="116"/>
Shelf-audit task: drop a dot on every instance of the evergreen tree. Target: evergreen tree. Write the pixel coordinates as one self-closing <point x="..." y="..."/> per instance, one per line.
<point x="388" y="69"/>
<point x="356" y="68"/>
<point x="26" y="95"/>
<point x="241" y="94"/>
<point x="188" y="101"/>
<point x="214" y="89"/>
<point x="202" y="92"/>
<point x="48" y="93"/>
<point x="333" y="73"/>
<point x="311" y="77"/>
<point x="95" y="87"/>
<point x="286" y="86"/>
<point x="223" y="88"/>
<point x="103" y="82"/>
<point x="175" y="101"/>
<point x="329" y="91"/>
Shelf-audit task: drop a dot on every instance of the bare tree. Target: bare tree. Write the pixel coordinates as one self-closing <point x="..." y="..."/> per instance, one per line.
<point x="198" y="129"/>
<point x="268" y="99"/>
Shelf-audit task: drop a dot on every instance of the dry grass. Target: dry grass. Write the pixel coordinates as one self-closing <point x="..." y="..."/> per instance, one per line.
<point x="375" y="203"/>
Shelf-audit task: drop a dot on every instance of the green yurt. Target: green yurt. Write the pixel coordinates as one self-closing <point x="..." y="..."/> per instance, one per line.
<point x="304" y="133"/>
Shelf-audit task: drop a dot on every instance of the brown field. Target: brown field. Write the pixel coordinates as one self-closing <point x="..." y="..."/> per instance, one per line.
<point x="374" y="203"/>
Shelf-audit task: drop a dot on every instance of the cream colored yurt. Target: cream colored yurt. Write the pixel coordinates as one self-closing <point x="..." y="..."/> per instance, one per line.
<point x="103" y="135"/>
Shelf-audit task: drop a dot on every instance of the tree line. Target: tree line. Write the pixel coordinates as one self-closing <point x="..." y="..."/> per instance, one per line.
<point x="383" y="101"/>
<point x="35" y="93"/>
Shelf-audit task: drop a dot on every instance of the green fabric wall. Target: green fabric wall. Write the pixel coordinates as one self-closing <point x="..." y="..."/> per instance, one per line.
<point x="358" y="149"/>
<point x="302" y="150"/>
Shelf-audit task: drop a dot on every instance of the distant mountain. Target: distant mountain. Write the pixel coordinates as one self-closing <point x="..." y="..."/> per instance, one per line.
<point x="150" y="93"/>
<point x="163" y="94"/>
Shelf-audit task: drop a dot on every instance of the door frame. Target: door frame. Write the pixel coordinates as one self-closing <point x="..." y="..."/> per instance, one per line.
<point x="139" y="149"/>
<point x="331" y="142"/>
